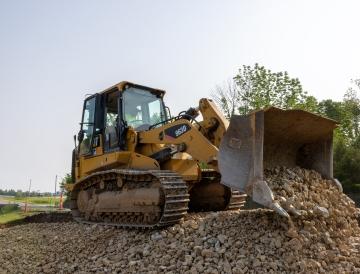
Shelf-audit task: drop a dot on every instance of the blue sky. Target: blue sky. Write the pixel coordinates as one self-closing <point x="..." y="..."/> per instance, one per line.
<point x="52" y="53"/>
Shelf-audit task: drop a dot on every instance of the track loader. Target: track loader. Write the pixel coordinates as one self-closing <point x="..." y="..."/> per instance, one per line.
<point x="135" y="165"/>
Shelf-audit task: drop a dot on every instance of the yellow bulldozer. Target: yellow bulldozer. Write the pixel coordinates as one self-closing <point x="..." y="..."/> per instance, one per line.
<point x="135" y="165"/>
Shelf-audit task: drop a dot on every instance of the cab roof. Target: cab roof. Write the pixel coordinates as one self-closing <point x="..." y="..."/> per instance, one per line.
<point x="122" y="86"/>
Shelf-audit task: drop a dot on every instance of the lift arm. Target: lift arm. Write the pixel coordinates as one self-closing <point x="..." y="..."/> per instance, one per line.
<point x="182" y="132"/>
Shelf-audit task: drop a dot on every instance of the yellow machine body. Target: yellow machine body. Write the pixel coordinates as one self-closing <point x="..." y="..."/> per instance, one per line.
<point x="136" y="166"/>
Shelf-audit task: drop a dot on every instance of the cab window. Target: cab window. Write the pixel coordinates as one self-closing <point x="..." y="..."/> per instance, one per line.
<point x="142" y="108"/>
<point x="87" y="125"/>
<point x="111" y="121"/>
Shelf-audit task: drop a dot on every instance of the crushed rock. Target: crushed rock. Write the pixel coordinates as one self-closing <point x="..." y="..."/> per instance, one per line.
<point x="324" y="238"/>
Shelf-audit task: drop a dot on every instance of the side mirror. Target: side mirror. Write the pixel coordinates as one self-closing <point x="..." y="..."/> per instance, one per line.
<point x="168" y="113"/>
<point x="80" y="136"/>
<point x="75" y="141"/>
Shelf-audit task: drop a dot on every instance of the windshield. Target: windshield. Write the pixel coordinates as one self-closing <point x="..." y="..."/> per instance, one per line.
<point x="142" y="108"/>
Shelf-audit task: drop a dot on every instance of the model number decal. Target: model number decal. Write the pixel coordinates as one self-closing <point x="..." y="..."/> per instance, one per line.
<point x="177" y="131"/>
<point x="180" y="131"/>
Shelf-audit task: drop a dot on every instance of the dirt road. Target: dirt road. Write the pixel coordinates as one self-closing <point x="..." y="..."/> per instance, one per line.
<point x="3" y="200"/>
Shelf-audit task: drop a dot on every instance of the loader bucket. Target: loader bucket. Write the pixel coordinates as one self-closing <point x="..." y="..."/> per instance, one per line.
<point x="273" y="137"/>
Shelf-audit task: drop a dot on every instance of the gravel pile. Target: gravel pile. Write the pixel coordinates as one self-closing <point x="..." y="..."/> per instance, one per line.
<point x="317" y="205"/>
<point x="324" y="221"/>
<point x="325" y="239"/>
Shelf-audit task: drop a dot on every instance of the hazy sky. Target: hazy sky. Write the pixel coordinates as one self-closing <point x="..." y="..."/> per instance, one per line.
<point x="53" y="53"/>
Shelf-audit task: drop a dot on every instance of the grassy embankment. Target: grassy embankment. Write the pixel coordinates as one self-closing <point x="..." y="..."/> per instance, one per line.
<point x="10" y="213"/>
<point x="13" y="212"/>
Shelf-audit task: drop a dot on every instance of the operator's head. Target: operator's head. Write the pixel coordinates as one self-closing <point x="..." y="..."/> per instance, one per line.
<point x="132" y="110"/>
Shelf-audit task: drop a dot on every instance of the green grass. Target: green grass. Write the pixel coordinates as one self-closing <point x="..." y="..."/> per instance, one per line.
<point x="12" y="216"/>
<point x="8" y="208"/>
<point x="10" y="213"/>
<point x="35" y="200"/>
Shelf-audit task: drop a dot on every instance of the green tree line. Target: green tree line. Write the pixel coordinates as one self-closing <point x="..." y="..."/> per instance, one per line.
<point x="256" y="87"/>
<point x="20" y="193"/>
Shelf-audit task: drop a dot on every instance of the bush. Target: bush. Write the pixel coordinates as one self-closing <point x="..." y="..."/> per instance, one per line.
<point x="8" y="208"/>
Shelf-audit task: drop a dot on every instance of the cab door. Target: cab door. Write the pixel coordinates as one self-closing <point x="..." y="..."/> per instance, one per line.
<point x="112" y="122"/>
<point x="86" y="135"/>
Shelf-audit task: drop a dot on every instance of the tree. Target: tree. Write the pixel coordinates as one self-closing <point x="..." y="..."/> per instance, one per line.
<point x="346" y="137"/>
<point x="352" y="110"/>
<point x="347" y="165"/>
<point x="227" y="97"/>
<point x="257" y="87"/>
<point x="346" y="112"/>
<point x="66" y="180"/>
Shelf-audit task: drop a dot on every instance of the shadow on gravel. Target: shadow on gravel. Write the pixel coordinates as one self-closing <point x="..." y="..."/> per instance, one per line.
<point x="43" y="217"/>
